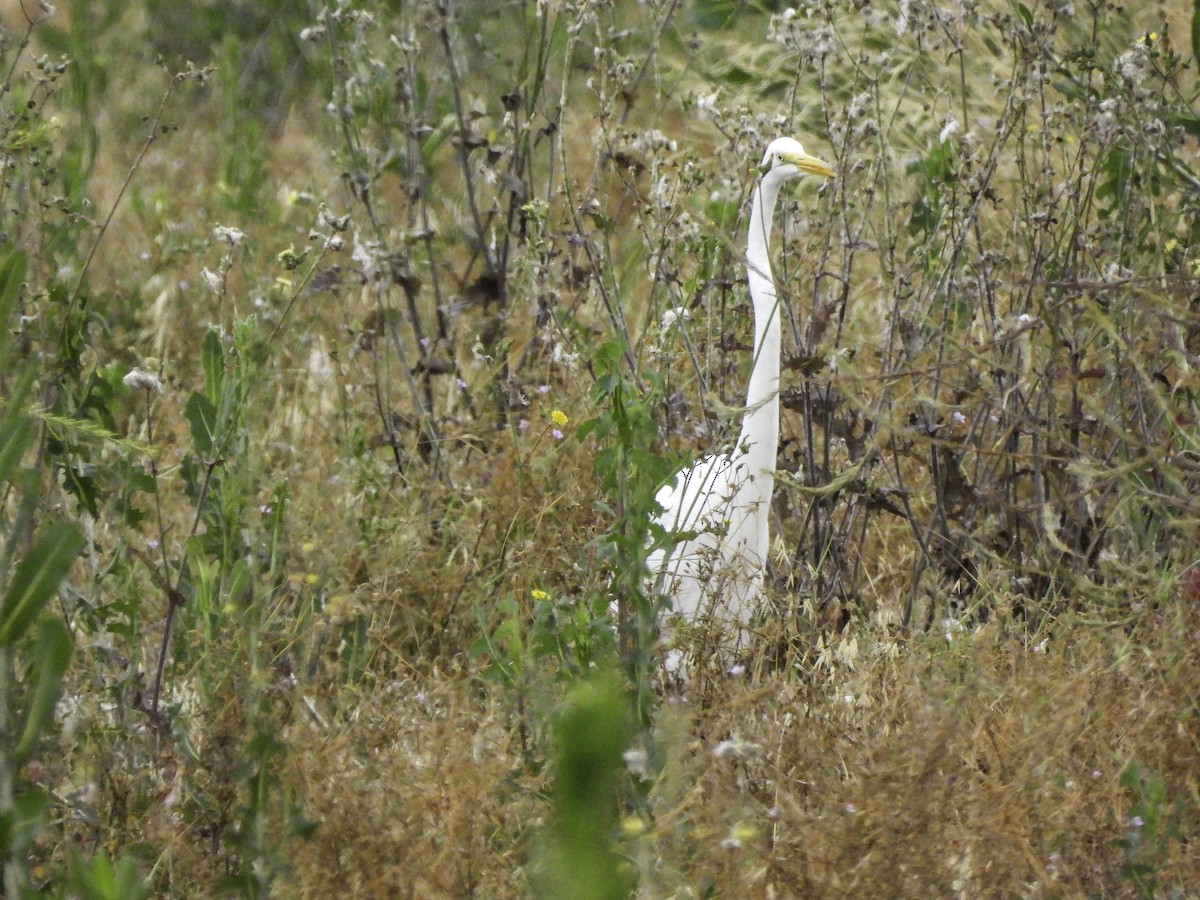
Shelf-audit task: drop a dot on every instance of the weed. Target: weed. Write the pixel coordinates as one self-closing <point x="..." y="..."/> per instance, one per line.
<point x="1151" y="825"/>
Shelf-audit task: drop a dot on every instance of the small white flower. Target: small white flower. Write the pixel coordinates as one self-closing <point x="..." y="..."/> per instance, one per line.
<point x="736" y="746"/>
<point x="635" y="761"/>
<point x="562" y="356"/>
<point x="671" y="316"/>
<point x="140" y="379"/>
<point x="233" y="235"/>
<point x="1115" y="272"/>
<point x="948" y="131"/>
<point x="738" y="835"/>
<point x="706" y="104"/>
<point x="368" y="256"/>
<point x="212" y="279"/>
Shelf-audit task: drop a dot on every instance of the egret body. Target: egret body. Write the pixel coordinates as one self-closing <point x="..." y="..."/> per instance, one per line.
<point x="719" y="506"/>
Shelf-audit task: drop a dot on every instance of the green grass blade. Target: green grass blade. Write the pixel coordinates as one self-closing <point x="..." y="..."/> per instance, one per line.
<point x="36" y="578"/>
<point x="15" y="436"/>
<point x="1196" y="30"/>
<point x="50" y="658"/>
<point x="12" y="276"/>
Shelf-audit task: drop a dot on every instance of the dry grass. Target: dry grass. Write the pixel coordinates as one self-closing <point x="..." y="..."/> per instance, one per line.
<point x="969" y="767"/>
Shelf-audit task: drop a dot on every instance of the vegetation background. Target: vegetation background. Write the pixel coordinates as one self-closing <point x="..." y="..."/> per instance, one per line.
<point x="346" y="343"/>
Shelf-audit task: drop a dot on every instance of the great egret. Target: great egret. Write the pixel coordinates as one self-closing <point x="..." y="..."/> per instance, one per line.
<point x="719" y="506"/>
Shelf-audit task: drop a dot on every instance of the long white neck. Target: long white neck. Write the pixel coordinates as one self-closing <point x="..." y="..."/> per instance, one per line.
<point x="760" y="427"/>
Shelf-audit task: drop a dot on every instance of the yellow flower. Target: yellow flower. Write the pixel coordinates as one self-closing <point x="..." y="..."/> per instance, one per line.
<point x="559" y="418"/>
<point x="539" y="594"/>
<point x="632" y="826"/>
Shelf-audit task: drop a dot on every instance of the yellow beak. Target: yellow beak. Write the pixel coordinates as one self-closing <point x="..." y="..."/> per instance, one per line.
<point x="810" y="165"/>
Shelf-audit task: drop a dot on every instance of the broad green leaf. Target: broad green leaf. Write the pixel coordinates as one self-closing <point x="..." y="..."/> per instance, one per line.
<point x="202" y="415"/>
<point x="37" y="578"/>
<point x="50" y="657"/>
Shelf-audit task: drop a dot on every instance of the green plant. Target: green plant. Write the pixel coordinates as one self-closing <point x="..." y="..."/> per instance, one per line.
<point x="578" y="856"/>
<point x="35" y="646"/>
<point x="1152" y="823"/>
<point x="630" y="469"/>
<point x="99" y="879"/>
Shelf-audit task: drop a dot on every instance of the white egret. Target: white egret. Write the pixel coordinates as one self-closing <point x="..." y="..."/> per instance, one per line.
<point x="719" y="506"/>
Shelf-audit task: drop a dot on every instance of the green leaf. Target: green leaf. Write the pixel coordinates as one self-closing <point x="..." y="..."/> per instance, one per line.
<point x="1196" y="30"/>
<point x="50" y="657"/>
<point x="1188" y="121"/>
<point x="12" y="276"/>
<point x="99" y="879"/>
<point x="212" y="360"/>
<point x="202" y="415"/>
<point x="22" y="823"/>
<point x="578" y="858"/>
<point x="37" y="578"/>
<point x="15" y="436"/>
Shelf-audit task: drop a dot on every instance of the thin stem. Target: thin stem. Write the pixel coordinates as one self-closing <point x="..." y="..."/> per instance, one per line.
<point x="155" y="130"/>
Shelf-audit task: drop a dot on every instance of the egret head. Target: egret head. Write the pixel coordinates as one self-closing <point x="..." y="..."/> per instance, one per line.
<point x="787" y="157"/>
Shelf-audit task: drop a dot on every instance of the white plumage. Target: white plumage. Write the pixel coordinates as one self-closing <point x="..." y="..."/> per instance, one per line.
<point x="720" y="505"/>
